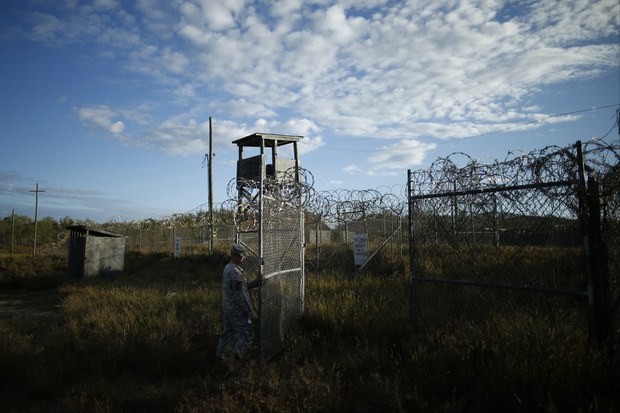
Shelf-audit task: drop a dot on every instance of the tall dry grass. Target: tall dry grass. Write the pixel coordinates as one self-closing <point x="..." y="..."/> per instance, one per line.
<point x="145" y="342"/>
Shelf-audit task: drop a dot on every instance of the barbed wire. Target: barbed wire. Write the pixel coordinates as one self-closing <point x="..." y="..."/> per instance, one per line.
<point x="455" y="172"/>
<point x="460" y="172"/>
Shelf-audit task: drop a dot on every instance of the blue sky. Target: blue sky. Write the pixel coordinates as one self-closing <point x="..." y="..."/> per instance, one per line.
<point x="105" y="103"/>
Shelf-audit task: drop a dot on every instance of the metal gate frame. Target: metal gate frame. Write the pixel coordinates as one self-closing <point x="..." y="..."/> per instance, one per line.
<point x="589" y="220"/>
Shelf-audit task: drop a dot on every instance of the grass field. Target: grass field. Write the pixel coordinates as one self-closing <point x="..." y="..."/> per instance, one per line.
<point x="145" y="342"/>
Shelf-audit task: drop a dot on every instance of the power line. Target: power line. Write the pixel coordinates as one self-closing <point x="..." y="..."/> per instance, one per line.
<point x="540" y="120"/>
<point x="485" y="133"/>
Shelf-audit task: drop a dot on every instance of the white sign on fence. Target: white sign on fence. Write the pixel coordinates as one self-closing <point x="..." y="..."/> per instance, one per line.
<point x="360" y="248"/>
<point x="177" y="246"/>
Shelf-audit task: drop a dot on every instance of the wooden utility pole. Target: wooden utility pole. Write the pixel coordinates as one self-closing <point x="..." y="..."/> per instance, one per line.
<point x="210" y="169"/>
<point x="12" y="229"/>
<point x="36" y="217"/>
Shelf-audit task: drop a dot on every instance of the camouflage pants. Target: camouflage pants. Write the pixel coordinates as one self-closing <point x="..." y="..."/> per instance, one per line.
<point x="235" y="328"/>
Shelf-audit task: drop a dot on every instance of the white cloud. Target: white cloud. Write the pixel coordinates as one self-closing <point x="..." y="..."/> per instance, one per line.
<point x="241" y="108"/>
<point x="283" y="8"/>
<point x="177" y="136"/>
<point x="194" y="34"/>
<point x="311" y="139"/>
<point x="45" y="27"/>
<point x="104" y="4"/>
<point x="440" y="69"/>
<point x="573" y="21"/>
<point x="352" y="169"/>
<point x="220" y="15"/>
<point x="158" y="16"/>
<point x="310" y="144"/>
<point x="174" y="61"/>
<point x="100" y="117"/>
<point x="401" y="155"/>
<point x="333" y="22"/>
<point x="117" y="127"/>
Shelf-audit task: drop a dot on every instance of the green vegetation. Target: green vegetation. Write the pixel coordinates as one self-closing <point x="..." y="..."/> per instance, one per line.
<point x="145" y="342"/>
<point x="24" y="271"/>
<point x="18" y="231"/>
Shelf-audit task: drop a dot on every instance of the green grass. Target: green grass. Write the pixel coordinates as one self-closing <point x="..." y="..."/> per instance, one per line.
<point x="145" y="341"/>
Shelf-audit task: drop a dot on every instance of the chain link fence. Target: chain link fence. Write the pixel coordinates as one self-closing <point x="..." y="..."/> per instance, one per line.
<point x="610" y="225"/>
<point x="333" y="249"/>
<point x="282" y="293"/>
<point x="506" y="237"/>
<point x="348" y="231"/>
<point x="332" y="222"/>
<point x="510" y="238"/>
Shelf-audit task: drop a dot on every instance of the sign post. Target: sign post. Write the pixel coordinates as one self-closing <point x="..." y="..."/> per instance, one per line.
<point x="360" y="249"/>
<point x="177" y="246"/>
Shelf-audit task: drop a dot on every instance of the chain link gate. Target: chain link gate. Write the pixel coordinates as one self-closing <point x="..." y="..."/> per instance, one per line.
<point x="508" y="240"/>
<point x="282" y="293"/>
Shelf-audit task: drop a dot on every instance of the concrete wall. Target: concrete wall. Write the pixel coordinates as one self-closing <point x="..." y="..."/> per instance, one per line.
<point x="93" y="255"/>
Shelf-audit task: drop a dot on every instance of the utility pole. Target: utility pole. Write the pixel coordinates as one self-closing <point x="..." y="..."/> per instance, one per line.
<point x="210" y="168"/>
<point x="12" y="229"/>
<point x="36" y="217"/>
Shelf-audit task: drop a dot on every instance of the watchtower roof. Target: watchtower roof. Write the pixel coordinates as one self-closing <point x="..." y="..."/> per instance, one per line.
<point x="270" y="140"/>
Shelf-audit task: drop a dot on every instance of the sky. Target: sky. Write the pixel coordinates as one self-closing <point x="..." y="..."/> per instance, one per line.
<point x="106" y="103"/>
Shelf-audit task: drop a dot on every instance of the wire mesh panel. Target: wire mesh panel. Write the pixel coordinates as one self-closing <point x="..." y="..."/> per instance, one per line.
<point x="504" y="237"/>
<point x="282" y="292"/>
<point x="610" y="194"/>
<point x="515" y="257"/>
<point x="251" y="264"/>
<point x="502" y="240"/>
<point x="276" y="232"/>
<point x="335" y="219"/>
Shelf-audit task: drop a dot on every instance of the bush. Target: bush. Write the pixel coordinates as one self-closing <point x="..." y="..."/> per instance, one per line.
<point x="25" y="271"/>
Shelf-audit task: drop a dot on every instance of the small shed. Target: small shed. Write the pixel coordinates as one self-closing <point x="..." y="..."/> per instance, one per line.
<point x="95" y="252"/>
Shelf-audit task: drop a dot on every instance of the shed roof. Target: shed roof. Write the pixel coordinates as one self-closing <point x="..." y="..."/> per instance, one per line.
<point x="84" y="230"/>
<point x="270" y="139"/>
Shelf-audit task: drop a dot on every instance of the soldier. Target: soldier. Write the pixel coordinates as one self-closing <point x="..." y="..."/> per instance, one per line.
<point x="237" y="312"/>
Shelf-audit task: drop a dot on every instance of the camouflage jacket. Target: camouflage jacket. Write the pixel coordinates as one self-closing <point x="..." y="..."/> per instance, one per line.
<point x="235" y="293"/>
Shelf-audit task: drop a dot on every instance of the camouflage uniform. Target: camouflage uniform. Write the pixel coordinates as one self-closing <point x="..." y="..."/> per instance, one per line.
<point x="237" y="312"/>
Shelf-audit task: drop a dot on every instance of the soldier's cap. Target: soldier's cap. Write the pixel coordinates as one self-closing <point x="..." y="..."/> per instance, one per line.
<point x="238" y="249"/>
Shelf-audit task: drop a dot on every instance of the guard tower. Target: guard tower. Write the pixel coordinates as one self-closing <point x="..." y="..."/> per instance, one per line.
<point x="251" y="168"/>
<point x="269" y="221"/>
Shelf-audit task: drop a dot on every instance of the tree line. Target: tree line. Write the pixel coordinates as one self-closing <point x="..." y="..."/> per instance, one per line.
<point x="19" y="229"/>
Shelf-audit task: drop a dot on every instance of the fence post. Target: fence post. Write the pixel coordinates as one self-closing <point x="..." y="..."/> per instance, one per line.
<point x="12" y="229"/>
<point x="600" y="274"/>
<point x="495" y="221"/>
<point x="587" y="254"/>
<point x="454" y="218"/>
<point x="411" y="250"/>
<point x="435" y="229"/>
<point x="317" y="240"/>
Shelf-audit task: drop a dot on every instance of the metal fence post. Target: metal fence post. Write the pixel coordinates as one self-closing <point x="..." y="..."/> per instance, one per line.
<point x="411" y="250"/>
<point x="600" y="274"/>
<point x="454" y="219"/>
<point x="495" y="222"/>
<point x="587" y="255"/>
